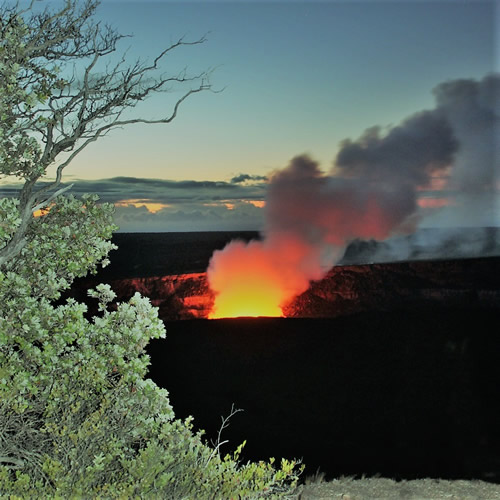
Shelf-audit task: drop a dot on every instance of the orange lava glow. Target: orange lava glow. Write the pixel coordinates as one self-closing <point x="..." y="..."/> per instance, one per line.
<point x="247" y="301"/>
<point x="257" y="279"/>
<point x="247" y="284"/>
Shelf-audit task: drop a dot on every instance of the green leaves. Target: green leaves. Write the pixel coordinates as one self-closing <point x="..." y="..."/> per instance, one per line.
<point x="80" y="413"/>
<point x="77" y="416"/>
<point x="67" y="242"/>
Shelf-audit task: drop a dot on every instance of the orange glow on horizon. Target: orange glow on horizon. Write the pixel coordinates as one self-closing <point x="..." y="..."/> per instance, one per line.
<point x="151" y="207"/>
<point x="229" y="205"/>
<point x="257" y="203"/>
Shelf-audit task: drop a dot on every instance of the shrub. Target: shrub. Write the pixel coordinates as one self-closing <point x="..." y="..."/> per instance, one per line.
<point x="78" y="418"/>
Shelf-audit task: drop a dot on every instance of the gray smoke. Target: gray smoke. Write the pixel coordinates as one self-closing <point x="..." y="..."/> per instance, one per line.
<point x="374" y="194"/>
<point x="462" y="132"/>
<point x="473" y="109"/>
<point x="326" y="210"/>
<point x="411" y="152"/>
<point x="372" y="191"/>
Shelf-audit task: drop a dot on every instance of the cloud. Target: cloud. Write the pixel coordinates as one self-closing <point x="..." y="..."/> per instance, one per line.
<point x="246" y="178"/>
<point x="167" y="205"/>
<point x="168" y="191"/>
<point x="239" y="215"/>
<point x="158" y="190"/>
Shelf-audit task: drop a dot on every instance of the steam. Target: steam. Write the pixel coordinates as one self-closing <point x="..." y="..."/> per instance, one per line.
<point x="473" y="110"/>
<point x="371" y="193"/>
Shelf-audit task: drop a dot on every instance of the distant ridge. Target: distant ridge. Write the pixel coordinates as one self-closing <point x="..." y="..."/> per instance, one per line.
<point x="160" y="254"/>
<point x="426" y="244"/>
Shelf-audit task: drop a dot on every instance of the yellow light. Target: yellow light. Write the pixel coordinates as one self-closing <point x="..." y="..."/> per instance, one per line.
<point x="151" y="207"/>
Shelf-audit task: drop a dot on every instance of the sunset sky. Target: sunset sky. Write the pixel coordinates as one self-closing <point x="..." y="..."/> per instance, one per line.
<point x="298" y="77"/>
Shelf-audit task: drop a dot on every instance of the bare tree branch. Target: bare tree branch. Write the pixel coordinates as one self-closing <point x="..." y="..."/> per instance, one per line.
<point x="224" y="425"/>
<point x="39" y="51"/>
<point x="51" y="198"/>
<point x="11" y="462"/>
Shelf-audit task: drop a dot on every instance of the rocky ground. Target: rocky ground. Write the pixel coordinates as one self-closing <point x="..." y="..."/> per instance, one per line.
<point x="387" y="489"/>
<point x="344" y="290"/>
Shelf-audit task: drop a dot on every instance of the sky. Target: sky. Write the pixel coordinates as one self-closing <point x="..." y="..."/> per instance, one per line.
<point x="295" y="78"/>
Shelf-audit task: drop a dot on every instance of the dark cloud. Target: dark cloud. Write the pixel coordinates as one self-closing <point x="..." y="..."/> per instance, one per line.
<point x="163" y="191"/>
<point x="248" y="178"/>
<point x="158" y="190"/>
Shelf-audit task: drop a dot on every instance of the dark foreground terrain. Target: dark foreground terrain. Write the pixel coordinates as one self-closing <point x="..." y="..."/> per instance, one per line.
<point x="398" y="394"/>
<point x="389" y="368"/>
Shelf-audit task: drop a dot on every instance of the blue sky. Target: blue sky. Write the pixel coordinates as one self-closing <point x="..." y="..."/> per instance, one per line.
<point x="298" y="77"/>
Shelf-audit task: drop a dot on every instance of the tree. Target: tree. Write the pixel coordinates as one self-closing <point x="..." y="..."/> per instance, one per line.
<point x="43" y="97"/>
<point x="77" y="416"/>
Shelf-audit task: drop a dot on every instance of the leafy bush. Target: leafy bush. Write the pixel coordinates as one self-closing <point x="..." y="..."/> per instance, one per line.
<point x="77" y="416"/>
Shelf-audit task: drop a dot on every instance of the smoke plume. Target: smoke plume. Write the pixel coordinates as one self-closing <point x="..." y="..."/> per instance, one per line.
<point x="371" y="193"/>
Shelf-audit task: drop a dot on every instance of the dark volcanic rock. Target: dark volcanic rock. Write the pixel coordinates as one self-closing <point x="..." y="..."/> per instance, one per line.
<point x="404" y="394"/>
<point x="178" y="296"/>
<point x="345" y="289"/>
<point x="402" y="285"/>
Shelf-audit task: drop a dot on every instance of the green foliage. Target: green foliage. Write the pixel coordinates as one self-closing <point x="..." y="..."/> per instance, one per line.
<point x="77" y="416"/>
<point x="20" y="153"/>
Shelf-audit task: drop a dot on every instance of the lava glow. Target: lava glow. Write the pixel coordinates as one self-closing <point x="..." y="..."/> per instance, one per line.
<point x="248" y="301"/>
<point x="258" y="278"/>
<point x="311" y="217"/>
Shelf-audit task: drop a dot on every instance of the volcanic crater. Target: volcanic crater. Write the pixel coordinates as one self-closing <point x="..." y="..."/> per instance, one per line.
<point x="387" y="368"/>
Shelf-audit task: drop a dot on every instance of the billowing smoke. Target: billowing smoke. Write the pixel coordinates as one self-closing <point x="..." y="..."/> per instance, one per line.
<point x="468" y="193"/>
<point x="473" y="109"/>
<point x="371" y="193"/>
